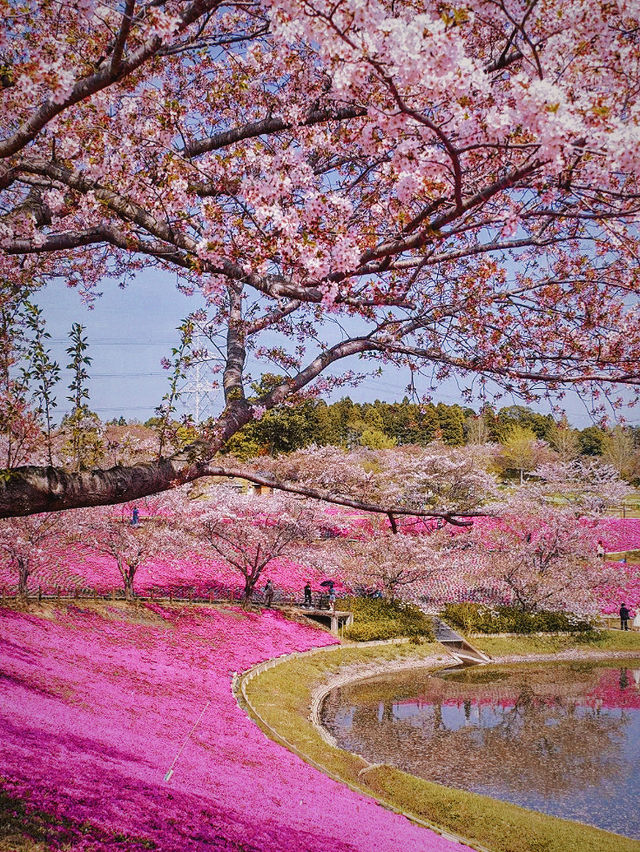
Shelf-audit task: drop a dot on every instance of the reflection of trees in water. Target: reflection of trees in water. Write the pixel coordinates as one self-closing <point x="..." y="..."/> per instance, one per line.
<point x="544" y="743"/>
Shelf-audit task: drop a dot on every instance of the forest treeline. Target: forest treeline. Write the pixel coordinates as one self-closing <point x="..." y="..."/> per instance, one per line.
<point x="381" y="425"/>
<point x="516" y="438"/>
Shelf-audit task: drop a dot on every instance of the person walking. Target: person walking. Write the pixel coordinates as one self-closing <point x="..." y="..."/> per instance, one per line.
<point x="332" y="598"/>
<point x="624" y="618"/>
<point x="135" y="516"/>
<point x="307" y="593"/>
<point x="268" y="593"/>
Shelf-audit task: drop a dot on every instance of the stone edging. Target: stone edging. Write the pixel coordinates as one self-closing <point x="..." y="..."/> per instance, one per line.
<point x="361" y="671"/>
<point x="239" y="683"/>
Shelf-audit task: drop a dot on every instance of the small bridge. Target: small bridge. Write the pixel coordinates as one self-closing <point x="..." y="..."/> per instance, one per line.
<point x="334" y="618"/>
<point x="459" y="648"/>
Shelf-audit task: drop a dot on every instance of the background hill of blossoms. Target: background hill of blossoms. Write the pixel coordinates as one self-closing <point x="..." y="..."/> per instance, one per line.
<point x="69" y="568"/>
<point x="94" y="709"/>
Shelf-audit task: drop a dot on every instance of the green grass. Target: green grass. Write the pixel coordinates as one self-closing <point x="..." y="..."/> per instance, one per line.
<point x="602" y="640"/>
<point x="282" y="696"/>
<point x="481" y="618"/>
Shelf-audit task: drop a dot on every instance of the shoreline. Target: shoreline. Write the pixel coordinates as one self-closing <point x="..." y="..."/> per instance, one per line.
<point x="285" y="700"/>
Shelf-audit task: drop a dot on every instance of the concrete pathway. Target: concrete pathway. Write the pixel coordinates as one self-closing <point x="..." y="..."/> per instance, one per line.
<point x="459" y="648"/>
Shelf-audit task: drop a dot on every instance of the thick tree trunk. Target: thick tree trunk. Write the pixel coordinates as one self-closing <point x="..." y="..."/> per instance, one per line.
<point x="28" y="490"/>
<point x="249" y="585"/>
<point x="23" y="578"/>
<point x="128" y="575"/>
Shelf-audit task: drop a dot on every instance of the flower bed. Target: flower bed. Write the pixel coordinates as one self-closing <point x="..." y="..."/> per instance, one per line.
<point x="68" y="569"/>
<point x="78" y="568"/>
<point x="96" y="705"/>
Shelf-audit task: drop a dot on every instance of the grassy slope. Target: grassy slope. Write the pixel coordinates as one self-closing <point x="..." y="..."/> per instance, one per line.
<point x="282" y="696"/>
<point x="606" y="640"/>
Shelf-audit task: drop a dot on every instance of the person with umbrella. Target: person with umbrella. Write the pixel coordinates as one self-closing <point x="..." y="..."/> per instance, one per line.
<point x="328" y="585"/>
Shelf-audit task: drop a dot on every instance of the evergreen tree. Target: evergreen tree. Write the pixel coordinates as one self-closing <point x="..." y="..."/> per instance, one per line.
<point x="451" y="424"/>
<point x="592" y="441"/>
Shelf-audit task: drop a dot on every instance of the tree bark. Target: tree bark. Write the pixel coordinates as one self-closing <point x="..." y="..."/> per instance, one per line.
<point x="23" y="577"/>
<point x="29" y="490"/>
<point x="249" y="585"/>
<point x="127" y="575"/>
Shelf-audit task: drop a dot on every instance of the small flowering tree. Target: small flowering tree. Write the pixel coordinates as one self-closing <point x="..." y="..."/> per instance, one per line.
<point x="108" y="530"/>
<point x="24" y="542"/>
<point x="539" y="557"/>
<point x="399" y="565"/>
<point x="249" y="533"/>
<point x="584" y="483"/>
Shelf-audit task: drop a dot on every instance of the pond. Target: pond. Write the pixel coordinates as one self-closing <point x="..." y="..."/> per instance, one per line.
<point x="562" y="739"/>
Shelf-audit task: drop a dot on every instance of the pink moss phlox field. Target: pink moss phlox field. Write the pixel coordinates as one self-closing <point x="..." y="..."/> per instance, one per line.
<point x="78" y="567"/>
<point x="620" y="534"/>
<point x="94" y="710"/>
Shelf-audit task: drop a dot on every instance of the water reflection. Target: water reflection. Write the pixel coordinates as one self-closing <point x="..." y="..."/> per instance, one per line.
<point x="560" y="739"/>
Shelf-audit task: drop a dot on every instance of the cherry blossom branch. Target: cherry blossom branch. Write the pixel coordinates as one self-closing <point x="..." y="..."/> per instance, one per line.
<point x="268" y="126"/>
<point x="102" y="79"/>
<point x="33" y="489"/>
<point x="272" y="317"/>
<point x="123" y="34"/>
<point x="426" y="234"/>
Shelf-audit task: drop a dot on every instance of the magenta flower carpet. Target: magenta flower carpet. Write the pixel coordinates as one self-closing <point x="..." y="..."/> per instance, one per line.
<point x="94" y="710"/>
<point x="67" y="569"/>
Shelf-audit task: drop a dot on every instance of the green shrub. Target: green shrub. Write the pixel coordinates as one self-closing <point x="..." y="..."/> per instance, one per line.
<point x="478" y="618"/>
<point x="379" y="618"/>
<point x="367" y="631"/>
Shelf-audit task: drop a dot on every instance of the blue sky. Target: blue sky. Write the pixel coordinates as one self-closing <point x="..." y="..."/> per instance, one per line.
<point x="130" y="330"/>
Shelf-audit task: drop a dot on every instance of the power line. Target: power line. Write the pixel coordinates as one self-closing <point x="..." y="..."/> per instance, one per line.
<point x="150" y="407"/>
<point x="126" y="375"/>
<point x="115" y="342"/>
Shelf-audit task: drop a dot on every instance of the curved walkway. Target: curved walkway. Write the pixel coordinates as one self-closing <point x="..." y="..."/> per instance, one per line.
<point x="287" y="707"/>
<point x="435" y="836"/>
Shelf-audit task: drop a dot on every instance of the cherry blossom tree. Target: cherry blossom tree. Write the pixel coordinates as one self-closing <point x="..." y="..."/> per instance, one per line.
<point x="585" y="484"/>
<point x="398" y="565"/>
<point x="109" y="531"/>
<point x="453" y="191"/>
<point x="436" y="480"/>
<point x="536" y="556"/>
<point x="24" y="543"/>
<point x="248" y="533"/>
